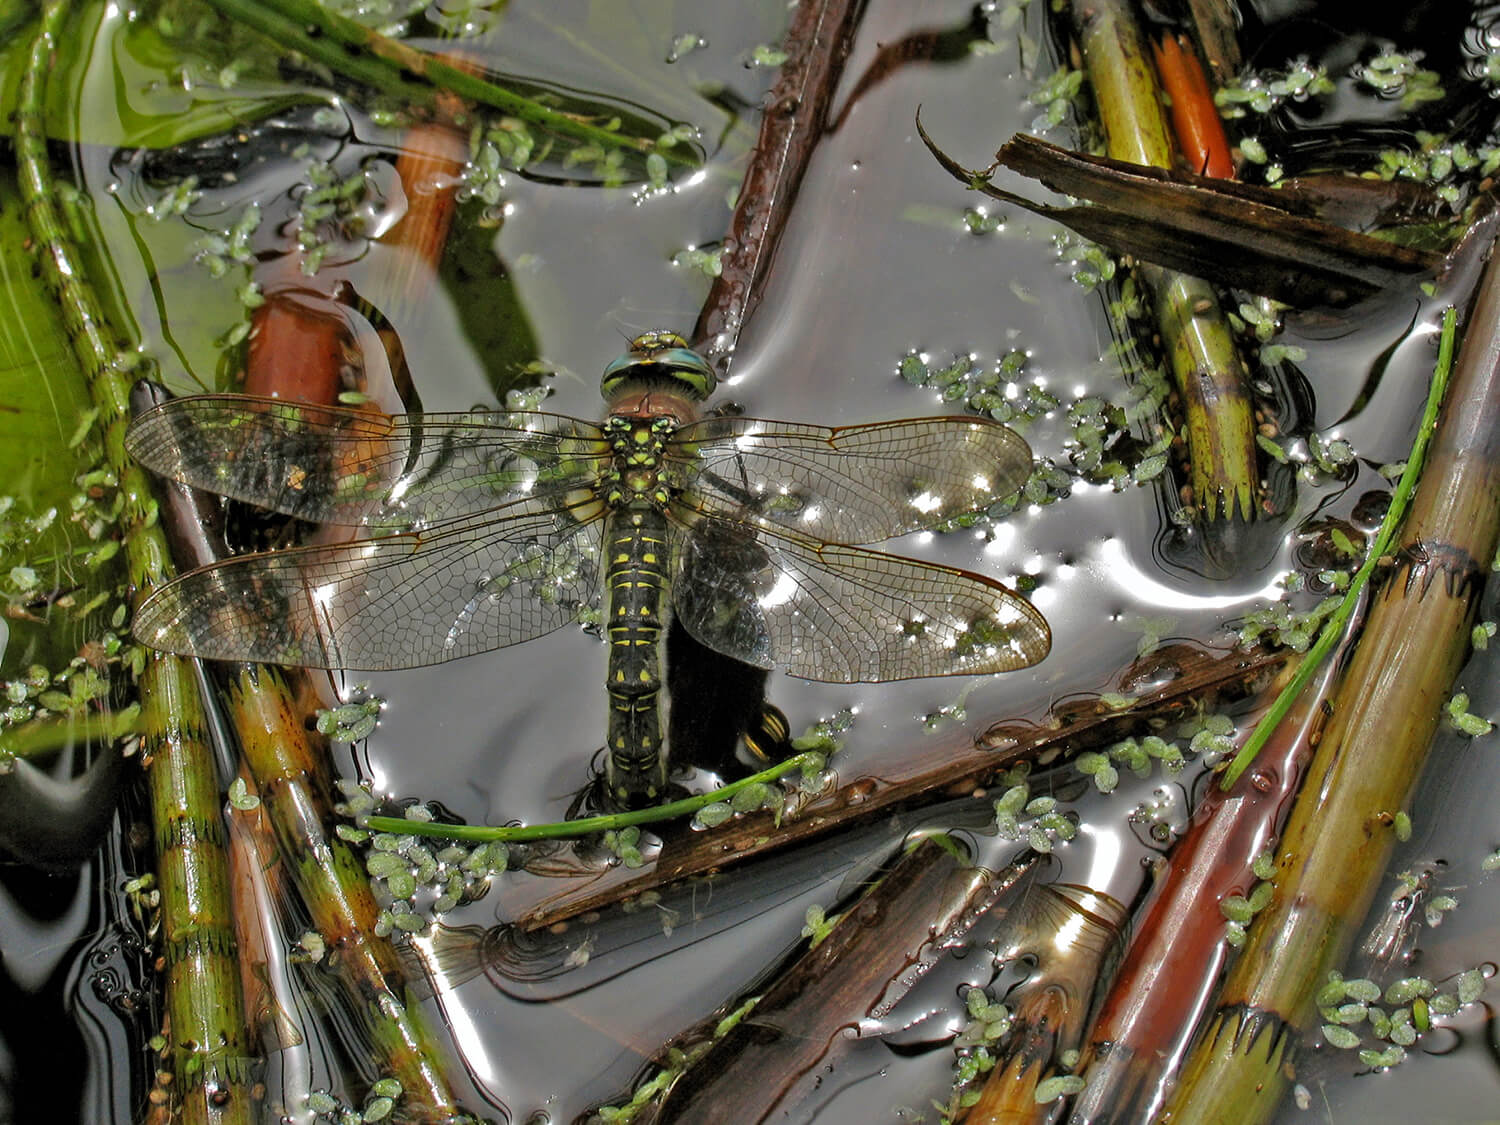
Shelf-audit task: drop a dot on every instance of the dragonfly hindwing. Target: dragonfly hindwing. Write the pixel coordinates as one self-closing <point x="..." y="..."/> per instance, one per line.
<point x="722" y="580"/>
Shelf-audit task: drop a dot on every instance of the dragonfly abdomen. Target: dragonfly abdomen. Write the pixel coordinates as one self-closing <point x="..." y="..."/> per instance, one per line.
<point x="636" y="581"/>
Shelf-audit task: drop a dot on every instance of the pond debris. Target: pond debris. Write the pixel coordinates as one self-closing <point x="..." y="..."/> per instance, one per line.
<point x="872" y="955"/>
<point x="1237" y="235"/>
<point x="1182" y="678"/>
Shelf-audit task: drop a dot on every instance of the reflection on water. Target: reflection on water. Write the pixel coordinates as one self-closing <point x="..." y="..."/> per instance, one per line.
<point x="876" y="265"/>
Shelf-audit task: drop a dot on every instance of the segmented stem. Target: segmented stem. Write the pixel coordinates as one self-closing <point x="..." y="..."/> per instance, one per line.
<point x="209" y="1052"/>
<point x="1200" y="349"/>
<point x="331" y="881"/>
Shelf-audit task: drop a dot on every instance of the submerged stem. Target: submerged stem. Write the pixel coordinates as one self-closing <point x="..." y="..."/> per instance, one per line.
<point x="368" y="57"/>
<point x="43" y="736"/>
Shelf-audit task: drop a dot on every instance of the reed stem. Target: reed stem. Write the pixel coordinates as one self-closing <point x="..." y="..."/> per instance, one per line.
<point x="1200" y="349"/>
<point x="1340" y="837"/>
<point x="209" y="1050"/>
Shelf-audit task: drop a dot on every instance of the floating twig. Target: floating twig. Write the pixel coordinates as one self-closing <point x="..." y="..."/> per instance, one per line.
<point x="791" y="125"/>
<point x="1181" y="678"/>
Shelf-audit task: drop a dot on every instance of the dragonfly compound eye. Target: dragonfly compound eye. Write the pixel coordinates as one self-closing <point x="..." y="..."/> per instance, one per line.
<point x="663" y="360"/>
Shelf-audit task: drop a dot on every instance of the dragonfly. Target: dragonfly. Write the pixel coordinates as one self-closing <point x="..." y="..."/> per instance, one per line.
<point x="478" y="530"/>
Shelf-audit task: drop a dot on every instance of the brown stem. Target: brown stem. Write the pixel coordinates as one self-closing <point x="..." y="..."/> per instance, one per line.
<point x="791" y="125"/>
<point x="875" y="952"/>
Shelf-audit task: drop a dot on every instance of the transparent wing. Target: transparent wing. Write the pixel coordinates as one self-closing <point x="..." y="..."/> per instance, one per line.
<point x="361" y="468"/>
<point x="842" y="614"/>
<point x="397" y="601"/>
<point x="850" y="484"/>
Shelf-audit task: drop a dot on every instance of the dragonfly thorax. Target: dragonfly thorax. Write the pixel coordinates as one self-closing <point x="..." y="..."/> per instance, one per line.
<point x="644" y="484"/>
<point x="638" y="445"/>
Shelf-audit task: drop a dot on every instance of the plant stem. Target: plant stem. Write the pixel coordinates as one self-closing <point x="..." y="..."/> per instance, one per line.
<point x="1195" y="118"/>
<point x="209" y="1047"/>
<point x="289" y="769"/>
<point x="1179" y="945"/>
<point x="34" y="739"/>
<point x="1339" y="838"/>
<point x="1070" y="938"/>
<point x="1195" y="333"/>
<point x="291" y="777"/>
<point x="1333" y="628"/>
<point x="959" y="764"/>
<point x="585" y="826"/>
<point x="874" y="953"/>
<point x="375" y="60"/>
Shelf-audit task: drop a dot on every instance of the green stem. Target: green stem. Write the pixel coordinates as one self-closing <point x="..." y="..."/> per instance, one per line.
<point x="37" y="738"/>
<point x="568" y="829"/>
<point x="210" y="1052"/>
<point x="375" y="60"/>
<point x="1333" y="628"/>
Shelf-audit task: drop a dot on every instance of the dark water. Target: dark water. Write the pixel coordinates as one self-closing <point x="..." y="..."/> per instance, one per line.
<point x="876" y="264"/>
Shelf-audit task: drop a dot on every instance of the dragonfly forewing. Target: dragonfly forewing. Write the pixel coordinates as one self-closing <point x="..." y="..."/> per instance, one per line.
<point x="364" y="469"/>
<point x="396" y="601"/>
<point x="849" y="484"/>
<point x="844" y="614"/>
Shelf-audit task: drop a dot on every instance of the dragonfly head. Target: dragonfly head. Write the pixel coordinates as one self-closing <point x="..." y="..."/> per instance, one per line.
<point x="660" y="360"/>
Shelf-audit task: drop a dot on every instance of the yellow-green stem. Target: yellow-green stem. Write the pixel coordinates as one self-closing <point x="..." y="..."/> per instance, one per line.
<point x="208" y="1047"/>
<point x="1200" y="348"/>
<point x="207" y="1033"/>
